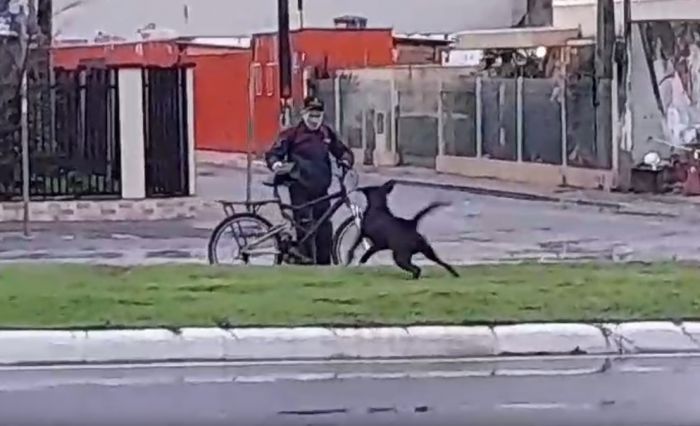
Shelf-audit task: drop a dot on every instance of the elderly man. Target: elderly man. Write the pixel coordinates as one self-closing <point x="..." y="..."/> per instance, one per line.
<point x="308" y="145"/>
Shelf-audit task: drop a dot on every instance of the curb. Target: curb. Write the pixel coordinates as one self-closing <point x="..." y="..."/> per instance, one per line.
<point x="261" y="344"/>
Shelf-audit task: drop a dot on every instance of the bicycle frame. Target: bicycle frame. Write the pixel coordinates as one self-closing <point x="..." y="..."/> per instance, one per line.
<point x="308" y="234"/>
<point x="342" y="198"/>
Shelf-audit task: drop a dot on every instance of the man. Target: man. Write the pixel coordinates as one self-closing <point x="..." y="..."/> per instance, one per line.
<point x="307" y="145"/>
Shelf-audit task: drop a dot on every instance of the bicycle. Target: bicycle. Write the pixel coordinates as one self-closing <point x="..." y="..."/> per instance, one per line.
<point x="282" y="236"/>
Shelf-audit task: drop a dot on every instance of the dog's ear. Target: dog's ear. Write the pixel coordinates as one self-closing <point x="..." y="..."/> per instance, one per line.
<point x="389" y="186"/>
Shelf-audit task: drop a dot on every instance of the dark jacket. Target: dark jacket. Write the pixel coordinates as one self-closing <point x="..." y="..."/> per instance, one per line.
<point x="308" y="150"/>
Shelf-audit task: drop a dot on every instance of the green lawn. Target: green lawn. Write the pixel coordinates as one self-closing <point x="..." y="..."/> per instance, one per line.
<point x="70" y="296"/>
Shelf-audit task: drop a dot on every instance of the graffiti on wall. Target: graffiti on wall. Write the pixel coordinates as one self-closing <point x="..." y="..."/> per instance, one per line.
<point x="672" y="51"/>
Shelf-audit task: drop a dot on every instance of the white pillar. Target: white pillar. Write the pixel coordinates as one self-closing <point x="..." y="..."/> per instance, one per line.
<point x="191" y="145"/>
<point x="132" y="143"/>
<point x="338" y="105"/>
<point x="519" y="118"/>
<point x="440" y="120"/>
<point x="394" y="115"/>
<point x="479" y="122"/>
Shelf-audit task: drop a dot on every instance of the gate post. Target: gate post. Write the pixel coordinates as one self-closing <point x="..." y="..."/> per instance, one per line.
<point x="132" y="144"/>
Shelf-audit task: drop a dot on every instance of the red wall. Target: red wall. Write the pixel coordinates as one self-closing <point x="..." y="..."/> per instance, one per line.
<point x="221" y="100"/>
<point x="325" y="49"/>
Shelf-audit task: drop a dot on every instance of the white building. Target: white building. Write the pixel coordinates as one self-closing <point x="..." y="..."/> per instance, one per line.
<point x="582" y="13"/>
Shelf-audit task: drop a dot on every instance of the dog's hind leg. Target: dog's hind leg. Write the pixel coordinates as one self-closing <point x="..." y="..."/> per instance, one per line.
<point x="403" y="261"/>
<point x="428" y="252"/>
<point x="369" y="253"/>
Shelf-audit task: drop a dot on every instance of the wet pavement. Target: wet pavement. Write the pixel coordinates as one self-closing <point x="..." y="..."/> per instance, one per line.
<point x="474" y="229"/>
<point x="659" y="392"/>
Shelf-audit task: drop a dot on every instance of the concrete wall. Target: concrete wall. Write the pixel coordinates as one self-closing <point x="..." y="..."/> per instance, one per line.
<point x="457" y="122"/>
<point x="665" y="85"/>
<point x="659" y="104"/>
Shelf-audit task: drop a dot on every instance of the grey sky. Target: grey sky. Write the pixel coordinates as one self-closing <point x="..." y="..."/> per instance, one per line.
<point x="233" y="17"/>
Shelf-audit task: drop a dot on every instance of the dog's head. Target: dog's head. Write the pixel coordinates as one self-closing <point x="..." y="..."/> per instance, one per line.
<point x="377" y="195"/>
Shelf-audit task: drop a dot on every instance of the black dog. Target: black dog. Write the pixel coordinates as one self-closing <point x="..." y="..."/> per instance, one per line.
<point x="388" y="232"/>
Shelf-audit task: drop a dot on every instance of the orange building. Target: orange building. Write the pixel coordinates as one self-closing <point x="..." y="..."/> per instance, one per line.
<point x="315" y="52"/>
<point x="221" y="95"/>
<point x="222" y="74"/>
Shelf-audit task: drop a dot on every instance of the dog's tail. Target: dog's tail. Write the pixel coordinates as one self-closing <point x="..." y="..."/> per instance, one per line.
<point x="428" y="209"/>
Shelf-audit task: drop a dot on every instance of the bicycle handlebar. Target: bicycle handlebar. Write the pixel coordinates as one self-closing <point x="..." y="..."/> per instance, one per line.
<point x="344" y="170"/>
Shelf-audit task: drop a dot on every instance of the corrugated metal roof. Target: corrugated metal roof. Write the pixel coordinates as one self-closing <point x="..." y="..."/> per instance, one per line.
<point x="234" y="41"/>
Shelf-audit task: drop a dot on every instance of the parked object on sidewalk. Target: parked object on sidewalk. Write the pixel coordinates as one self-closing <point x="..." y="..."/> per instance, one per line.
<point x="691" y="185"/>
<point x="646" y="179"/>
<point x="680" y="170"/>
<point x="388" y="232"/>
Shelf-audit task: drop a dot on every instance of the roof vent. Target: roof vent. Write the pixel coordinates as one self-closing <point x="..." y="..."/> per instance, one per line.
<point x="349" y="21"/>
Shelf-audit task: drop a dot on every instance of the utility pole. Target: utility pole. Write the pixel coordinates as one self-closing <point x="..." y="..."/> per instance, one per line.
<point x="605" y="44"/>
<point x="285" y="63"/>
<point x="249" y="140"/>
<point x="24" y="119"/>
<point x="300" y="9"/>
<point x="624" y="55"/>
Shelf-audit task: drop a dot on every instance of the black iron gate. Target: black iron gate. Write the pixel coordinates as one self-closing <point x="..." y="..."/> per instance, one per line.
<point x="74" y="143"/>
<point x="82" y="157"/>
<point x="165" y="131"/>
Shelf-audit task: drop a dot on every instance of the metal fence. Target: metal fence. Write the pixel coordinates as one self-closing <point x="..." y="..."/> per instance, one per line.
<point x="74" y="147"/>
<point x="539" y="120"/>
<point x="166" y="131"/>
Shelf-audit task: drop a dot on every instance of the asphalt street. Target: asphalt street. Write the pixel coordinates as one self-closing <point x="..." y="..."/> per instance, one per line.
<point x="473" y="229"/>
<point x="647" y="392"/>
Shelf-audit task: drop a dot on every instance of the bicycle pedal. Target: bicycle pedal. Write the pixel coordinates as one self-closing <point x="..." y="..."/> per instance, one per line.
<point x="299" y="258"/>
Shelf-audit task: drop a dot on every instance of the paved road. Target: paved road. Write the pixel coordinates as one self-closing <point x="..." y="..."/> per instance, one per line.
<point x="640" y="393"/>
<point x="473" y="229"/>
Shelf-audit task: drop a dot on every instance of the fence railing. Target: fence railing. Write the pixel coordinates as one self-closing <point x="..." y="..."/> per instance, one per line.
<point x="74" y="144"/>
<point x="536" y="120"/>
<point x="166" y="131"/>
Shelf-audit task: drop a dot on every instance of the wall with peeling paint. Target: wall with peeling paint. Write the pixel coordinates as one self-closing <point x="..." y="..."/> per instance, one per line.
<point x="665" y="85"/>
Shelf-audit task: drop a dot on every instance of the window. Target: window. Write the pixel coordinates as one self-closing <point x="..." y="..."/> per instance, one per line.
<point x="256" y="76"/>
<point x="270" y="74"/>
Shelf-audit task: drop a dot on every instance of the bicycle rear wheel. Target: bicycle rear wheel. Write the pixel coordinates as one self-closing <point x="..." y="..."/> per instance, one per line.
<point x="240" y="239"/>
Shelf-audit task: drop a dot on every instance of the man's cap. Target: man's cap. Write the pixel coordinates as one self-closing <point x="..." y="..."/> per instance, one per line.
<point x="312" y="103"/>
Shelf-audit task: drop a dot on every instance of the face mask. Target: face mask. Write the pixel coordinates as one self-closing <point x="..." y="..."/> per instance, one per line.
<point x="313" y="119"/>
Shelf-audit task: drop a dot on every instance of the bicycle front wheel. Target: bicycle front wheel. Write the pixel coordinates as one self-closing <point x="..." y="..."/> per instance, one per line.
<point x="343" y="239"/>
<point x="244" y="238"/>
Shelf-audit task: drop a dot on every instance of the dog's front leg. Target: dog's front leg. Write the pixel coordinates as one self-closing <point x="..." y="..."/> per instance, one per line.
<point x="351" y="252"/>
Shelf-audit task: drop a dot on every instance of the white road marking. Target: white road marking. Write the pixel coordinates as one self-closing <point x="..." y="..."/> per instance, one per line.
<point x="330" y="362"/>
<point x="546" y="406"/>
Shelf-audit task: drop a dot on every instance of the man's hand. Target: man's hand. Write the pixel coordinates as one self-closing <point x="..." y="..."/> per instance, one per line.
<point x="344" y="164"/>
<point x="277" y="165"/>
